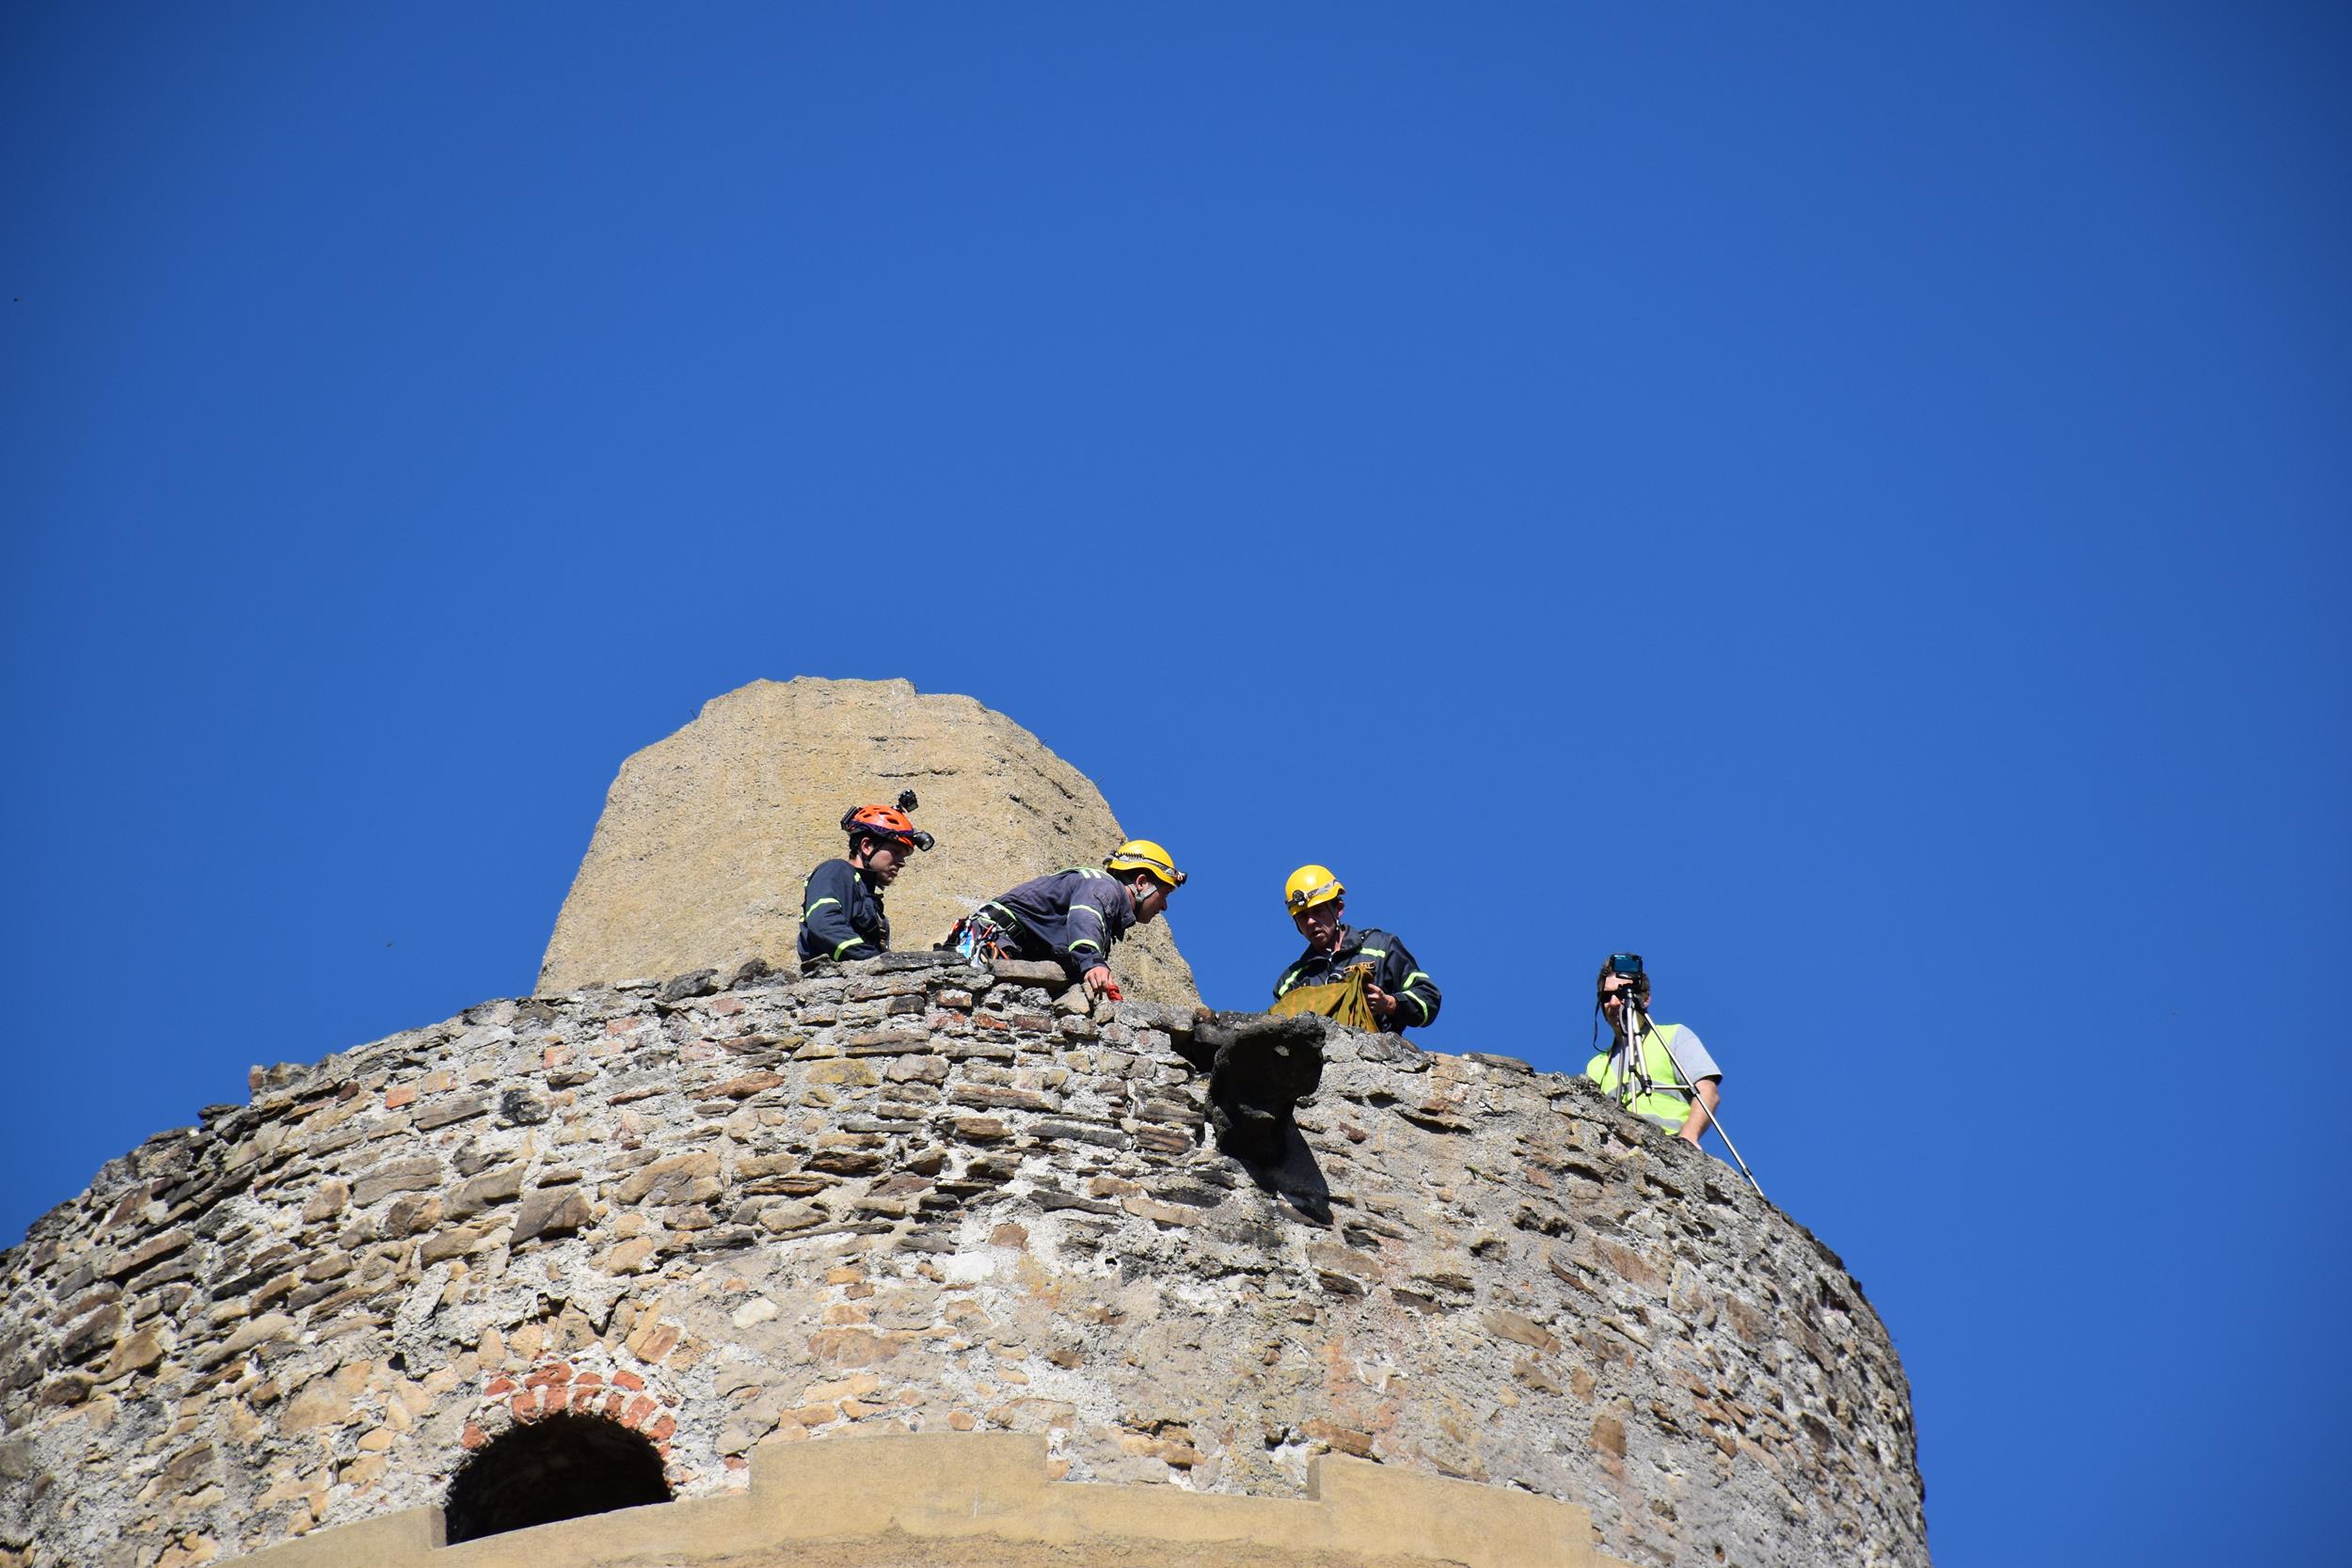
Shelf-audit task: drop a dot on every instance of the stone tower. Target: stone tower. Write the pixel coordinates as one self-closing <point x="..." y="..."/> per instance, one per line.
<point x="926" y="1263"/>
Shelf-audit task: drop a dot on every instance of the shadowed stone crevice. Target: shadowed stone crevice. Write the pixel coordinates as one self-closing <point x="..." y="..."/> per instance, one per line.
<point x="561" y="1467"/>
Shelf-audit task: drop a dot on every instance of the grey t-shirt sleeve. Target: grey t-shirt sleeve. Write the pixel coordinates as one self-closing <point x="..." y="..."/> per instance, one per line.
<point x="1697" y="1063"/>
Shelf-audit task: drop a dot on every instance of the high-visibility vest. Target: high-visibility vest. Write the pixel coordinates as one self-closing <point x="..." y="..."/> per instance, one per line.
<point x="1668" y="1108"/>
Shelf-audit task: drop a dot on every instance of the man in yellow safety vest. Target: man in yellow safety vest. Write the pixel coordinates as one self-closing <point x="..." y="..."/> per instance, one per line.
<point x="1681" y="1099"/>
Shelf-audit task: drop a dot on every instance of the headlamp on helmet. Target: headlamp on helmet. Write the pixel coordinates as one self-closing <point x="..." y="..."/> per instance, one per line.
<point x="884" y="822"/>
<point x="1309" y="886"/>
<point x="1142" y="854"/>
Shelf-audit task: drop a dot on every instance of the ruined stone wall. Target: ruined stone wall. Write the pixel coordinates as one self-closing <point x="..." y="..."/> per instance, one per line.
<point x="925" y="1198"/>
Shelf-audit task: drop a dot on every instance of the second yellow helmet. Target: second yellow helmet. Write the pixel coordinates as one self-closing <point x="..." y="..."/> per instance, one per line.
<point x="1141" y="854"/>
<point x="1309" y="885"/>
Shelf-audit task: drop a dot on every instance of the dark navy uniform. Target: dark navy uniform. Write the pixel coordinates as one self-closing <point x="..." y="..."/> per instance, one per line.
<point x="1393" y="970"/>
<point x="841" y="915"/>
<point x="1071" y="917"/>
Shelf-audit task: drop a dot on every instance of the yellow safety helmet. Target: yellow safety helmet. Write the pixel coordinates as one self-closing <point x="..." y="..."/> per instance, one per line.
<point x="1309" y="885"/>
<point x="1141" y="854"/>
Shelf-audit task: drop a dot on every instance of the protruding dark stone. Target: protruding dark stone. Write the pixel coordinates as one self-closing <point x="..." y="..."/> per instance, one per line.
<point x="92" y="1335"/>
<point x="749" y="971"/>
<point x="523" y="1108"/>
<point x="702" y="982"/>
<point x="1259" y="1067"/>
<point x="67" y="1389"/>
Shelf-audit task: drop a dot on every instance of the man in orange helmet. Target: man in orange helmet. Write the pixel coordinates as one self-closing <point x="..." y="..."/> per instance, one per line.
<point x="841" y="902"/>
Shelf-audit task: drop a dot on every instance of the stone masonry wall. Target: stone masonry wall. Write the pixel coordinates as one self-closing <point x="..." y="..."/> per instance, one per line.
<point x="916" y="1196"/>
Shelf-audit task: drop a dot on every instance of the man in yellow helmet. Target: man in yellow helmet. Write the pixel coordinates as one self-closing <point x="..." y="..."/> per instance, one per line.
<point x="1073" y="917"/>
<point x="1401" y="994"/>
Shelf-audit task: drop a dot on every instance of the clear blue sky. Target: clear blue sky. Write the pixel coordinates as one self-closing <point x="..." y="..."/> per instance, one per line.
<point x="1851" y="502"/>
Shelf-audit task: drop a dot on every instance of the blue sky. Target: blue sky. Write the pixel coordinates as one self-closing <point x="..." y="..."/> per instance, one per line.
<point x="1849" y="502"/>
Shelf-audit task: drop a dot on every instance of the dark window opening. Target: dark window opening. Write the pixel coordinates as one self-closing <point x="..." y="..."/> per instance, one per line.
<point x="561" y="1467"/>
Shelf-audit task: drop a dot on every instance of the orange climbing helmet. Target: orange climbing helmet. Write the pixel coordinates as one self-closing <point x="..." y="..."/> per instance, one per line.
<point x="885" y="822"/>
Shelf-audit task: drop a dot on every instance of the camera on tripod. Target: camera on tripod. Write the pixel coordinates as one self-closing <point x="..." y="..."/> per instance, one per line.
<point x="1625" y="965"/>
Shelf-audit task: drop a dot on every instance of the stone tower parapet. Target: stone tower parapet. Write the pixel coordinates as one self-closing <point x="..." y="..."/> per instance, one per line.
<point x="916" y="1196"/>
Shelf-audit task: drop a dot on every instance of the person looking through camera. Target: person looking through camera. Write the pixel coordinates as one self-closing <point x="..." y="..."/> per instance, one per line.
<point x="1681" y="1099"/>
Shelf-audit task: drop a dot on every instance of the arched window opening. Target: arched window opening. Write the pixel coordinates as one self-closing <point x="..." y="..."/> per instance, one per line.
<point x="560" y="1468"/>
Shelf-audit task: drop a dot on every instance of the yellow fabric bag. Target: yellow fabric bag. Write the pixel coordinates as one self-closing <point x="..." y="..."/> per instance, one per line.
<point x="1341" y="999"/>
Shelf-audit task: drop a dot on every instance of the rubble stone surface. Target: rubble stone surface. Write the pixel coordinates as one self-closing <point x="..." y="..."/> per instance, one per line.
<point x="706" y="836"/>
<point x="922" y="1196"/>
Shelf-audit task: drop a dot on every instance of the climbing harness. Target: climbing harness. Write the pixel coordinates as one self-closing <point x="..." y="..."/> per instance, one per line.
<point x="977" y="936"/>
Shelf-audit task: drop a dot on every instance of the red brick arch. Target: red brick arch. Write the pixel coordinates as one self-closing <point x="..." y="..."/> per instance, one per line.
<point x="582" y="1387"/>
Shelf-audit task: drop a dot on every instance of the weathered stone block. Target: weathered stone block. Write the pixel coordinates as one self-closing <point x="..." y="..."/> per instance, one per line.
<point x="458" y="1108"/>
<point x="412" y="1175"/>
<point x="1030" y="973"/>
<point x="131" y="1261"/>
<point x="502" y="1185"/>
<point x="638" y="1188"/>
<point x="92" y="1337"/>
<point x="557" y="1212"/>
<point x="454" y="1242"/>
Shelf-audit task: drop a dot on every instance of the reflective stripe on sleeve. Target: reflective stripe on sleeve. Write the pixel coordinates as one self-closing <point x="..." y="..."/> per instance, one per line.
<point x="818" y="905"/>
<point x="1406" y="990"/>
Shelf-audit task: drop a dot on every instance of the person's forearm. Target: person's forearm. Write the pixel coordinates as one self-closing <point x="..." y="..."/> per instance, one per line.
<point x="1702" y="1104"/>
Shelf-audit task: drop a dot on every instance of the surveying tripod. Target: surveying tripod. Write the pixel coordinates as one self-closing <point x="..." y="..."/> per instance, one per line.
<point x="1636" y="1080"/>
